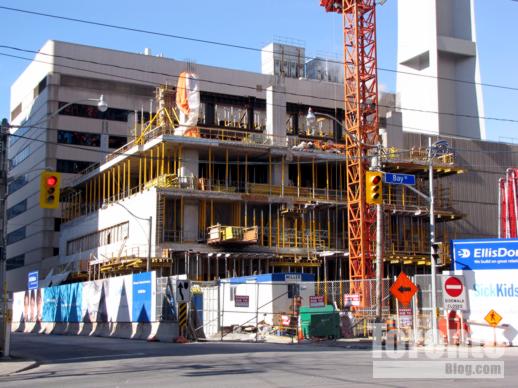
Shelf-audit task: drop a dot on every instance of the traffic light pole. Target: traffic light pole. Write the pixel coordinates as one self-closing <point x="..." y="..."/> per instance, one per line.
<point x="432" y="241"/>
<point x="379" y="245"/>
<point x="433" y="264"/>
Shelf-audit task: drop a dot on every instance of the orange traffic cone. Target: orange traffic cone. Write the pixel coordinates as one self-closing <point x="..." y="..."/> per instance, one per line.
<point x="300" y="334"/>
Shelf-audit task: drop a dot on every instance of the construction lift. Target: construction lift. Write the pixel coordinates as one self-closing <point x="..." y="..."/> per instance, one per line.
<point x="361" y="122"/>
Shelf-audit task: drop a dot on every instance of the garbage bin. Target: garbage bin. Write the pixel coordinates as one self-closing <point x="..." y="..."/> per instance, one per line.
<point x="320" y="322"/>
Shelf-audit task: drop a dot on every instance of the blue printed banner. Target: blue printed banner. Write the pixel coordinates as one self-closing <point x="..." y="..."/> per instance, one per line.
<point x="488" y="254"/>
<point x="142" y="294"/>
<point x="63" y="303"/>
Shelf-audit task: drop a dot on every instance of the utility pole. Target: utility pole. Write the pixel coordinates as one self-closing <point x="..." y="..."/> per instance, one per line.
<point x="4" y="130"/>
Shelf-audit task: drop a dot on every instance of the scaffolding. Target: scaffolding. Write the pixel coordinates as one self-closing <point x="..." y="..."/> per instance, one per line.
<point x="279" y="208"/>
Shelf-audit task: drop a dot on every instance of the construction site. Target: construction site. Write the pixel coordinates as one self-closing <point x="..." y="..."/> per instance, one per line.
<point x="234" y="201"/>
<point x="237" y="186"/>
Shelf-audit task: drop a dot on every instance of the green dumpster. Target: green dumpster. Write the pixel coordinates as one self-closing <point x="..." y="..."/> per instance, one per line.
<point x="320" y="322"/>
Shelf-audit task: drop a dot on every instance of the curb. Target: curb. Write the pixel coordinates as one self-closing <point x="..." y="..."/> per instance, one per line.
<point x="28" y="366"/>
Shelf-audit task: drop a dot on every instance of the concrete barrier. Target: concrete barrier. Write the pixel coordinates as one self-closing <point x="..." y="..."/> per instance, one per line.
<point x="159" y="331"/>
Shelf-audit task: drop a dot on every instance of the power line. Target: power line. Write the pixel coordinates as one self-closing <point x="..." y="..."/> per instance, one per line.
<point x="236" y="46"/>
<point x="229" y="84"/>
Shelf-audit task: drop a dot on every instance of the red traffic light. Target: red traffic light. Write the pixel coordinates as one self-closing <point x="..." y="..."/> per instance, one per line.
<point x="375" y="179"/>
<point x="52" y="181"/>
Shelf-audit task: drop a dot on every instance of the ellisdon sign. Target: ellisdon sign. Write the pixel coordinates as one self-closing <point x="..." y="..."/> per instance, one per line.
<point x="485" y="254"/>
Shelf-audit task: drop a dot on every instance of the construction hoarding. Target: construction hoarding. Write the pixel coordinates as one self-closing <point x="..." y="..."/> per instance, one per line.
<point x="490" y="269"/>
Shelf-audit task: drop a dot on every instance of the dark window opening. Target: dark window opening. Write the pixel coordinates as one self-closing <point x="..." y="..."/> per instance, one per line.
<point x="15" y="235"/>
<point x="116" y="142"/>
<point x="91" y="112"/>
<point x="17" y="209"/>
<point x="72" y="166"/>
<point x="17" y="183"/>
<point x="15" y="262"/>
<point x="79" y="138"/>
<point x="57" y="224"/>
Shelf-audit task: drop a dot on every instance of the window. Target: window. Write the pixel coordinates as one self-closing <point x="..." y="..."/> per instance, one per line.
<point x="40" y="87"/>
<point x="20" y="157"/>
<point x="106" y="236"/>
<point x="15" y="235"/>
<point x="71" y="166"/>
<point x="17" y="209"/>
<point x="15" y="262"/>
<point x="57" y="224"/>
<point x="17" y="183"/>
<point x="17" y="135"/>
<point x="16" y="111"/>
<point x="117" y="141"/>
<point x="79" y="138"/>
<point x="55" y="251"/>
<point x="91" y="112"/>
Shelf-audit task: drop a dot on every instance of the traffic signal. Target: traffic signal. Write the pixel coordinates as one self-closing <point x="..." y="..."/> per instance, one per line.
<point x="374" y="188"/>
<point x="49" y="189"/>
<point x="436" y="253"/>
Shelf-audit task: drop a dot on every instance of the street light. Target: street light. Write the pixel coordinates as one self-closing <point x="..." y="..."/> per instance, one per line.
<point x="102" y="106"/>
<point x="150" y="222"/>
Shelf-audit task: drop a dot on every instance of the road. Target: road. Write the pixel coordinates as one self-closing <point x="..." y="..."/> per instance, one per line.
<point x="107" y="362"/>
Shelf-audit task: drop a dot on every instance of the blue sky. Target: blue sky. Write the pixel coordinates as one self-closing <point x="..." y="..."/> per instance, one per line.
<point x="252" y="23"/>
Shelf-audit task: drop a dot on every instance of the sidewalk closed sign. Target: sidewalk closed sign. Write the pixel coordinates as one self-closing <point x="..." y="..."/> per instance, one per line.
<point x="454" y="293"/>
<point x="316" y="301"/>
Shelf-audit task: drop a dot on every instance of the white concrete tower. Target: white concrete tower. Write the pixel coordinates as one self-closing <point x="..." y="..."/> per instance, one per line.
<point x="436" y="39"/>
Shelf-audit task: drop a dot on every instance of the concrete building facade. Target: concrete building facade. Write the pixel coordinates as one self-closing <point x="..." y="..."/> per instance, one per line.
<point x="438" y="68"/>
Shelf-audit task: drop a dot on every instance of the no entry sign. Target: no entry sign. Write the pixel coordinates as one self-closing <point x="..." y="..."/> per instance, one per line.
<point x="454" y="293"/>
<point x="453" y="287"/>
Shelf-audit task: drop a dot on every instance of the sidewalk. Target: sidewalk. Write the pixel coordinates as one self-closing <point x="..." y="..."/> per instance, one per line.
<point x="11" y="365"/>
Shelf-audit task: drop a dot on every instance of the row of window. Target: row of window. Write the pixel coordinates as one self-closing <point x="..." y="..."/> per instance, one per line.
<point x="19" y="157"/>
<point x="19" y="134"/>
<point x="15" y="235"/>
<point x="15" y="262"/>
<point x="17" y="183"/>
<point x="17" y="209"/>
<point x="37" y="91"/>
<point x="91" y="112"/>
<point x="106" y="236"/>
<point x="89" y="139"/>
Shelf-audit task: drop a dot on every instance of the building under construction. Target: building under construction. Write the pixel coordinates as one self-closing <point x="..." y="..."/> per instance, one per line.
<point x="237" y="196"/>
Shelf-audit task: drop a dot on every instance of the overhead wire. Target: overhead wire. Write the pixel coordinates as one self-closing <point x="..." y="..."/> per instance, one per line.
<point x="232" y="45"/>
<point x="330" y="99"/>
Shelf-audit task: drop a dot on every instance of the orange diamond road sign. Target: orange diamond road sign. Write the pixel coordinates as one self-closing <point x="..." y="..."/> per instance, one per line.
<point x="403" y="289"/>
<point x="493" y="318"/>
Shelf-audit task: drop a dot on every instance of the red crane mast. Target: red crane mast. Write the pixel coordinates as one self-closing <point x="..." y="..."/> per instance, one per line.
<point x="361" y="122"/>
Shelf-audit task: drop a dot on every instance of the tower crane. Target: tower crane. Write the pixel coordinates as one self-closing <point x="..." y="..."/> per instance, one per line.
<point x="361" y="123"/>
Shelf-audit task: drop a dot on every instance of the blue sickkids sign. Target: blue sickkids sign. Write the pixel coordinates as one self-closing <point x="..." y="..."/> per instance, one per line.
<point x="483" y="254"/>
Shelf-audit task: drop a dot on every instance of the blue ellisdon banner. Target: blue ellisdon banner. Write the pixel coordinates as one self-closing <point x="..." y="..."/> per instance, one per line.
<point x="483" y="254"/>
